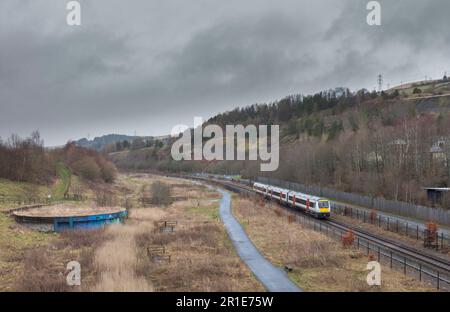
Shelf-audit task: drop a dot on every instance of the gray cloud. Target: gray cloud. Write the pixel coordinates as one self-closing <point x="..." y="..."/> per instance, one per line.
<point x="148" y="65"/>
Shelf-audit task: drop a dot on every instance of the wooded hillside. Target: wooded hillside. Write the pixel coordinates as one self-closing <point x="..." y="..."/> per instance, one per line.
<point x="389" y="144"/>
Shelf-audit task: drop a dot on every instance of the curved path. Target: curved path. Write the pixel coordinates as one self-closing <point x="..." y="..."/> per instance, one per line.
<point x="273" y="278"/>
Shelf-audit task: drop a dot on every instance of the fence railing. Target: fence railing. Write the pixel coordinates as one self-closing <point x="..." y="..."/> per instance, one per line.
<point x="395" y="260"/>
<point x="15" y="200"/>
<point x="440" y="215"/>
<point x="392" y="224"/>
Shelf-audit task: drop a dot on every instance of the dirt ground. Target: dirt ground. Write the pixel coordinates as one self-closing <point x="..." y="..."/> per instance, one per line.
<point x="318" y="262"/>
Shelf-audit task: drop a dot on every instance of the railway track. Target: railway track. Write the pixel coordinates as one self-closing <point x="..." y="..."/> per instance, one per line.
<point x="427" y="264"/>
<point x="412" y="252"/>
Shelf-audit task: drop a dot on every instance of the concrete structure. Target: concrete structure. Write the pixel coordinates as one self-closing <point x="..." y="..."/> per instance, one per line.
<point x="434" y="194"/>
<point x="59" y="219"/>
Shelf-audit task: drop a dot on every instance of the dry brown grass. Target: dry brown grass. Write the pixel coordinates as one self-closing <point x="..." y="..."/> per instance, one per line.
<point x="115" y="258"/>
<point x="39" y="274"/>
<point x="202" y="257"/>
<point x="116" y="262"/>
<point x="373" y="228"/>
<point x="319" y="263"/>
<point x="43" y="268"/>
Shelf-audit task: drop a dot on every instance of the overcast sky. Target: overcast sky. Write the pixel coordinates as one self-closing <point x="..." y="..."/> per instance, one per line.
<point x="148" y="65"/>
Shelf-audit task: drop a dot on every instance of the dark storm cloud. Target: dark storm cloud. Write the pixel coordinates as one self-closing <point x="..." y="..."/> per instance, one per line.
<point x="148" y="65"/>
<point x="238" y="57"/>
<point x="411" y="43"/>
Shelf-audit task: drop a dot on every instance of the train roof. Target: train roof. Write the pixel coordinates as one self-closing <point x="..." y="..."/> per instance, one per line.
<point x="280" y="189"/>
<point x="311" y="197"/>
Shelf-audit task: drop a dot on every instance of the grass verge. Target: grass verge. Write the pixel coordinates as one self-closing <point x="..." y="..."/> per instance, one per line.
<point x="318" y="262"/>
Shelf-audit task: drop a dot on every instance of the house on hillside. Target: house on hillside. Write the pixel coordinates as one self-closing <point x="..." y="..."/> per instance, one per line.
<point x="438" y="150"/>
<point x="399" y="145"/>
<point x="396" y="147"/>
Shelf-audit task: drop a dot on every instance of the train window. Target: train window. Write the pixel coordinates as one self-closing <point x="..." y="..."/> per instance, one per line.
<point x="324" y="204"/>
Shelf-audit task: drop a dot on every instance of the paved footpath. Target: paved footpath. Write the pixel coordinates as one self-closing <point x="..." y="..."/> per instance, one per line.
<point x="272" y="277"/>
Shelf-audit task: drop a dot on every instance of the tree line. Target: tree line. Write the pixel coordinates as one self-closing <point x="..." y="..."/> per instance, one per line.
<point x="378" y="144"/>
<point x="27" y="160"/>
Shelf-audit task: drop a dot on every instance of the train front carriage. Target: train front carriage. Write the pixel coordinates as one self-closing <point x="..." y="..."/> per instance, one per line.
<point x="323" y="209"/>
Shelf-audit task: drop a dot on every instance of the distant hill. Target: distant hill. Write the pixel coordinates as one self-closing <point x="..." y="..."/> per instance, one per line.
<point x="99" y="143"/>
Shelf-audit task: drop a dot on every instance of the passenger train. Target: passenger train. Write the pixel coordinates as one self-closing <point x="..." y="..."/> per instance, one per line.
<point x="316" y="206"/>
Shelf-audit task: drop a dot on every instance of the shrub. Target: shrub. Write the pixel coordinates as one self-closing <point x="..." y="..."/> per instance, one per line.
<point x="348" y="239"/>
<point x="88" y="164"/>
<point x="161" y="193"/>
<point x="108" y="171"/>
<point x="87" y="168"/>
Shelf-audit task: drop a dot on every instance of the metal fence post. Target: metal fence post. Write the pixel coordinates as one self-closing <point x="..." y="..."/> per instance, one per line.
<point x="420" y="272"/>
<point x="438" y="279"/>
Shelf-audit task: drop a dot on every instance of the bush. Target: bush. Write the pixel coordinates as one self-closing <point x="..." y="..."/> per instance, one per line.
<point x="87" y="168"/>
<point x="161" y="193"/>
<point x="86" y="163"/>
<point x="417" y="91"/>
<point x="108" y="171"/>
